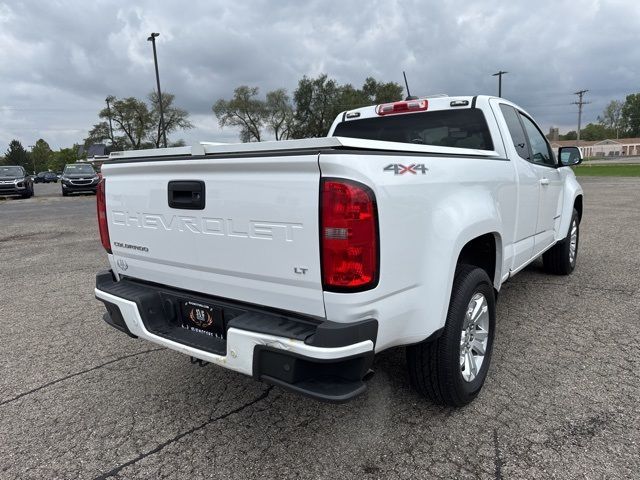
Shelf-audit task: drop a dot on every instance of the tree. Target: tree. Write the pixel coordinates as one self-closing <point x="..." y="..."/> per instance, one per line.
<point x="611" y="117"/>
<point x="244" y="111"/>
<point x="378" y="92"/>
<point x="40" y="154"/>
<point x="595" y="131"/>
<point x="17" y="155"/>
<point x="279" y="114"/>
<point x="137" y="125"/>
<point x="131" y="117"/>
<point x="100" y="133"/>
<point x="62" y="157"/>
<point x="571" y="135"/>
<point x="630" y="115"/>
<point x="317" y="103"/>
<point x="174" y="118"/>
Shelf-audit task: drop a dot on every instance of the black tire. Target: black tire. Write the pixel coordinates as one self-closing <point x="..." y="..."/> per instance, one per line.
<point x="557" y="260"/>
<point x="29" y="193"/>
<point x="64" y="194"/>
<point x="434" y="365"/>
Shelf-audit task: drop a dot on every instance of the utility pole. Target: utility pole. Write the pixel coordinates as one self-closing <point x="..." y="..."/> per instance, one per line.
<point x="108" y="99"/>
<point x="152" y="39"/>
<point x="499" y="75"/>
<point x="580" y="103"/>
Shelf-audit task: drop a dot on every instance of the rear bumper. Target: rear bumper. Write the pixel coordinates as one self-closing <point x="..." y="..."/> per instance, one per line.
<point x="321" y="359"/>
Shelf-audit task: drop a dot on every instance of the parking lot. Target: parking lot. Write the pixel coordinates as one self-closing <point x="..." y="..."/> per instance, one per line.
<point x="79" y="399"/>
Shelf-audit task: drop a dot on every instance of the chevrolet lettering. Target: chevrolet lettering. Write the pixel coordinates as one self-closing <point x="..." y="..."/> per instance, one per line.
<point x="257" y="229"/>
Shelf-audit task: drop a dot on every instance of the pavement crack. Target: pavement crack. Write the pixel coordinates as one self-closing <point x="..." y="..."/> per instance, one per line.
<point x="497" y="460"/>
<point x="53" y="382"/>
<point x="113" y="472"/>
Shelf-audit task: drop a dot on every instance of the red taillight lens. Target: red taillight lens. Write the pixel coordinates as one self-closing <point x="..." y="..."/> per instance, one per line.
<point x="407" y="106"/>
<point x="103" y="226"/>
<point x="349" y="236"/>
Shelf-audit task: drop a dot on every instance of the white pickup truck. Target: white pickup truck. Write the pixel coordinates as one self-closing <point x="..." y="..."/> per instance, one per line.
<point x="296" y="261"/>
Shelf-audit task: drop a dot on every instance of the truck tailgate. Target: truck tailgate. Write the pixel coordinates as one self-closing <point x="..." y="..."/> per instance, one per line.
<point x="255" y="239"/>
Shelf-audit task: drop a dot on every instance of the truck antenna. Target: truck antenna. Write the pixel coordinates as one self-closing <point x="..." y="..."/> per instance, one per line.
<point x="409" y="97"/>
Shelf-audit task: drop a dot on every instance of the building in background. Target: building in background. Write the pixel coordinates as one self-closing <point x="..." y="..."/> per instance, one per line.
<point x="602" y="148"/>
<point x="554" y="134"/>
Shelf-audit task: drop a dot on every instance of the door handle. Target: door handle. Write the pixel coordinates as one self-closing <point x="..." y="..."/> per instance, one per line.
<point x="544" y="181"/>
<point x="186" y="194"/>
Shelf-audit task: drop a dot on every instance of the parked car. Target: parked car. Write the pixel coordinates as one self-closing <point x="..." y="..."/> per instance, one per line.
<point x="14" y="180"/>
<point x="296" y="261"/>
<point x="46" y="177"/>
<point x="78" y="178"/>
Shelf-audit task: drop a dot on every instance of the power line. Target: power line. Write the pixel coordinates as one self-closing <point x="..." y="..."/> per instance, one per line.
<point x="580" y="103"/>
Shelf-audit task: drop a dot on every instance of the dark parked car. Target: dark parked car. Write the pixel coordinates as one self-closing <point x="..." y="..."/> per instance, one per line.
<point x="46" y="177"/>
<point x="79" y="177"/>
<point x="15" y="181"/>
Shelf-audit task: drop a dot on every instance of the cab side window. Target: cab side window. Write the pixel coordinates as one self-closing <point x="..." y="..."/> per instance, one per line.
<point x="541" y="153"/>
<point x="515" y="130"/>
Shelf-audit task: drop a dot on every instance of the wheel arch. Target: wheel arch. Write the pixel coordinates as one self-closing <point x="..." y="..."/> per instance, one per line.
<point x="572" y="198"/>
<point x="577" y="204"/>
<point x="484" y="251"/>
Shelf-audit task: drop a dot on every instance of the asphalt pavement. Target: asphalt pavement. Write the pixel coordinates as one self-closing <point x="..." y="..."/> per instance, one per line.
<point x="79" y="399"/>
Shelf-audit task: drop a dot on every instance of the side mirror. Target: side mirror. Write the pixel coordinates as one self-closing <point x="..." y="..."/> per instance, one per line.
<point x="569" y="156"/>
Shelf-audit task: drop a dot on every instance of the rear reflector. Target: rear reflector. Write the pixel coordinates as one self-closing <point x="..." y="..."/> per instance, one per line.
<point x="349" y="236"/>
<point x="407" y="106"/>
<point x="103" y="226"/>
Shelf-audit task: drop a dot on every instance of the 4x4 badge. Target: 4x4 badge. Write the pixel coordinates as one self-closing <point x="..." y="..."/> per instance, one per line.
<point x="399" y="169"/>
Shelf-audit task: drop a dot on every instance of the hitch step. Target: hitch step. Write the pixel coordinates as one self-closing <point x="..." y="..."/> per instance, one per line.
<point x="197" y="361"/>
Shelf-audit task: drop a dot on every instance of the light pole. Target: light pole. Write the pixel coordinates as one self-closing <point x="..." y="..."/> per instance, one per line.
<point x="499" y="75"/>
<point x="33" y="158"/>
<point x="152" y="39"/>
<point x="108" y="99"/>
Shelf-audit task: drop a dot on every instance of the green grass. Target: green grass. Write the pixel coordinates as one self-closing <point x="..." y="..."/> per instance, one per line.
<point x="607" y="170"/>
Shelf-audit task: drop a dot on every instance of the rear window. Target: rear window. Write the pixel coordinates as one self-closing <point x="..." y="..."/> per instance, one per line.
<point x="446" y="128"/>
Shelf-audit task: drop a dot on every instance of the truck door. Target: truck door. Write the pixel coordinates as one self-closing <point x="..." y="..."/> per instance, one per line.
<point x="551" y="184"/>
<point x="528" y="193"/>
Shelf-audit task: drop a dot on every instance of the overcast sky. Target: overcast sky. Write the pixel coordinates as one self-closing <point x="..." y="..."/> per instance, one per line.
<point x="60" y="59"/>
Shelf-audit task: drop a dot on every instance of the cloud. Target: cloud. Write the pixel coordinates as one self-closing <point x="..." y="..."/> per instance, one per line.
<point x="59" y="60"/>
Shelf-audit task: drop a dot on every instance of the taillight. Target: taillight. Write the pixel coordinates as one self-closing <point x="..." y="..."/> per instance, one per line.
<point x="103" y="226"/>
<point x="407" y="106"/>
<point x="349" y="236"/>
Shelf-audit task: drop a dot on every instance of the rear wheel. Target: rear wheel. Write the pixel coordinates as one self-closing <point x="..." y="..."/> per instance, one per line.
<point x="561" y="258"/>
<point x="451" y="370"/>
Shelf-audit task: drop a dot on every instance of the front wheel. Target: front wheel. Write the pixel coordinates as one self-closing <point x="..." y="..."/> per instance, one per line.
<point x="28" y="193"/>
<point x="451" y="369"/>
<point x="562" y="257"/>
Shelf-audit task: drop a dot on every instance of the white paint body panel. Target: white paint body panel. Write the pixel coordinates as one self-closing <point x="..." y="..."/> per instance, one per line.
<point x="424" y="222"/>
<point x="260" y="222"/>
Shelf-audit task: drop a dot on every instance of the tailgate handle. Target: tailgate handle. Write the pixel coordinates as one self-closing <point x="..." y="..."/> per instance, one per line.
<point x="186" y="194"/>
